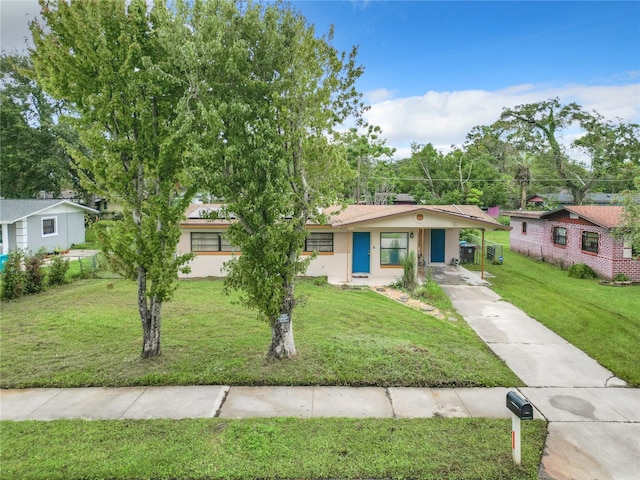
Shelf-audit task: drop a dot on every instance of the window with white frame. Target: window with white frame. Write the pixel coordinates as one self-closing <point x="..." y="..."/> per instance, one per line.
<point x="211" y="242"/>
<point x="319" y="242"/>
<point x="590" y="241"/>
<point x="49" y="226"/>
<point x="393" y="248"/>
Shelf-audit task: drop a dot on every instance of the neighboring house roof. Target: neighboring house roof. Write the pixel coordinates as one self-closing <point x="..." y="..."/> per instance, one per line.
<point x="13" y="210"/>
<point x="603" y="216"/>
<point x="404" y="199"/>
<point x="524" y="213"/>
<point x="607" y="216"/>
<point x="565" y="197"/>
<point x="353" y="214"/>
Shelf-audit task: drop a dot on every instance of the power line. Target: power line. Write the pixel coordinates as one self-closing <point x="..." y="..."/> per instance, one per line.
<point x="423" y="179"/>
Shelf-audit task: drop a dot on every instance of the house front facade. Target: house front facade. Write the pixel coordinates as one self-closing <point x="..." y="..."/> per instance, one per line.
<point x="360" y="243"/>
<point x="576" y="234"/>
<point x="31" y="225"/>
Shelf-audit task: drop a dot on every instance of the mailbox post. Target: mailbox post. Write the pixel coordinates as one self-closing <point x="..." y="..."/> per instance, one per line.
<point x="521" y="409"/>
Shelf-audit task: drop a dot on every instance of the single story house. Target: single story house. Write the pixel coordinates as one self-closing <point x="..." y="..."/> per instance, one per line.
<point x="358" y="242"/>
<point x="31" y="224"/>
<point x="575" y="234"/>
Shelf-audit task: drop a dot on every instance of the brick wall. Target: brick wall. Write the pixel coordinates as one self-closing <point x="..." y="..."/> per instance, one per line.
<point x="537" y="243"/>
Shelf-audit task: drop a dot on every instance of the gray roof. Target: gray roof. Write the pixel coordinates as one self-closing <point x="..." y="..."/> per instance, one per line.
<point x="12" y="210"/>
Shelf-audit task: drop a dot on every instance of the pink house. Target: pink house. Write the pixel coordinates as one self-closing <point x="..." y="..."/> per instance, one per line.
<point x="575" y="234"/>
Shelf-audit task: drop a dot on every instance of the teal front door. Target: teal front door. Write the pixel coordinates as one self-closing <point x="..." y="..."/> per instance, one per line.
<point x="437" y="246"/>
<point x="361" y="252"/>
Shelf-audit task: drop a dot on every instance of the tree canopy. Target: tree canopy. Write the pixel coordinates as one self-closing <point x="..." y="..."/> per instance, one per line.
<point x="32" y="159"/>
<point x="106" y="62"/>
<point x="264" y="114"/>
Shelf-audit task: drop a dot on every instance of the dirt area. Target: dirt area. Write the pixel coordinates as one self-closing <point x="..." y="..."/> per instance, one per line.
<point x="416" y="304"/>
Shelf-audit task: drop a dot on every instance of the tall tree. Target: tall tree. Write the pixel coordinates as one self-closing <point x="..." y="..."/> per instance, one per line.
<point x="106" y="62"/>
<point x="543" y="124"/>
<point x="629" y="228"/>
<point x="266" y="96"/>
<point x="32" y="160"/>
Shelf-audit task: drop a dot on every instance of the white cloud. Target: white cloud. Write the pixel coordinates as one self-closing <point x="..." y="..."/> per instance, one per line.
<point x="445" y="118"/>
<point x="378" y="95"/>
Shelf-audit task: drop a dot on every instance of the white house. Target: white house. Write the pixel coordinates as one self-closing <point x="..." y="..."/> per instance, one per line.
<point x="361" y="241"/>
<point x="30" y="224"/>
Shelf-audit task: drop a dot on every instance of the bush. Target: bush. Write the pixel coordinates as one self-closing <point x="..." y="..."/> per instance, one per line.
<point x="409" y="276"/>
<point x="35" y="274"/>
<point x="14" y="278"/>
<point x="431" y="292"/>
<point x="58" y="270"/>
<point x="504" y="220"/>
<point x="581" y="270"/>
<point x="620" y="277"/>
<point x="467" y="234"/>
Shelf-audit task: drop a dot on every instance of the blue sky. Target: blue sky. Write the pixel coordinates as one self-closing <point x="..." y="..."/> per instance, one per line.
<point x="411" y="47"/>
<point x="434" y="70"/>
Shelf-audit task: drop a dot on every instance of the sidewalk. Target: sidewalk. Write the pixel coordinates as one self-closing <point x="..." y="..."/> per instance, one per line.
<point x="594" y="420"/>
<point x="243" y="402"/>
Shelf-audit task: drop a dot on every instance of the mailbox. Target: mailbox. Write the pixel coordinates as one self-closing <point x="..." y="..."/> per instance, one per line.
<point x="520" y="406"/>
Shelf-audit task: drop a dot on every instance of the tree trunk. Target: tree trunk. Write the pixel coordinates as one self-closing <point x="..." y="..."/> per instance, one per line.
<point x="150" y="317"/>
<point x="523" y="197"/>
<point x="282" y="343"/>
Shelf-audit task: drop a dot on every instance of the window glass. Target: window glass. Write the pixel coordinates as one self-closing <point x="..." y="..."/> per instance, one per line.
<point x="211" y="242"/>
<point x="524" y="227"/>
<point x="560" y="235"/>
<point x="590" y="241"/>
<point x="48" y="226"/>
<point x="393" y="248"/>
<point x="205" y="242"/>
<point x="319" y="242"/>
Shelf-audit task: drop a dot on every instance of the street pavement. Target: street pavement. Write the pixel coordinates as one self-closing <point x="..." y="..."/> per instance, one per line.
<point x="594" y="418"/>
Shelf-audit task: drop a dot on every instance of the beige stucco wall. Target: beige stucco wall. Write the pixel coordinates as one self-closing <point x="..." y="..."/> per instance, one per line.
<point x="337" y="266"/>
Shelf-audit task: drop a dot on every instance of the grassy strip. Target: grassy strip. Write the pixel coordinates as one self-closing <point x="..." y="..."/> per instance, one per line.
<point x="600" y="320"/>
<point x="88" y="334"/>
<point x="269" y="448"/>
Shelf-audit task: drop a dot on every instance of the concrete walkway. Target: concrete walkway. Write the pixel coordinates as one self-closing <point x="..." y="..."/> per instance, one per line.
<point x="594" y="421"/>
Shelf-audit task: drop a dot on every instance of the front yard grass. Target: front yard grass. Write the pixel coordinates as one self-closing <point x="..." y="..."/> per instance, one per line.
<point x="88" y="334"/>
<point x="602" y="321"/>
<point x="463" y="448"/>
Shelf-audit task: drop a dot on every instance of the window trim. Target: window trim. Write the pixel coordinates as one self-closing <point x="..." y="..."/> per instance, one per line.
<point x="400" y="257"/>
<point x="55" y="226"/>
<point x="555" y="238"/>
<point x="586" y="233"/>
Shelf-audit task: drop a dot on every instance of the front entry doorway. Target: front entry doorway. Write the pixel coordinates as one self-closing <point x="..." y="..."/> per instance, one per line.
<point x="361" y="252"/>
<point x="437" y="245"/>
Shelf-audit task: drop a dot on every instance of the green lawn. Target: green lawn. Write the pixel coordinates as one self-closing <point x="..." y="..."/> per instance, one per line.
<point x="463" y="448"/>
<point x="603" y="321"/>
<point x="88" y="334"/>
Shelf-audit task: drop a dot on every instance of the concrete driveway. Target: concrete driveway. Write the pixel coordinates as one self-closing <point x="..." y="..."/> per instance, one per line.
<point x="594" y="419"/>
